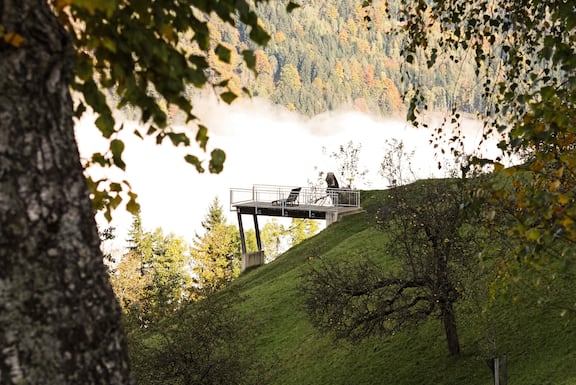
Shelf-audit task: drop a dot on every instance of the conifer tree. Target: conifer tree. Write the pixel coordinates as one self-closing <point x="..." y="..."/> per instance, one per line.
<point x="216" y="253"/>
<point x="152" y="280"/>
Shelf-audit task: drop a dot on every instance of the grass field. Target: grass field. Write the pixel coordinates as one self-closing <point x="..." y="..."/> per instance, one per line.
<point x="539" y="344"/>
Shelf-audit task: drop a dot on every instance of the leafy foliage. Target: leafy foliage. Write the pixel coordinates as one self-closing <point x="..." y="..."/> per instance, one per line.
<point x="209" y="342"/>
<point x="214" y="216"/>
<point x="216" y="253"/>
<point x="300" y="229"/>
<point x="272" y="236"/>
<point x="428" y="236"/>
<point x="523" y="55"/>
<point x="151" y="280"/>
<point x="145" y="55"/>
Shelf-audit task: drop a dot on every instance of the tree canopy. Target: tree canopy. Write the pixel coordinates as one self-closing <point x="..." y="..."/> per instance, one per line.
<point x="59" y="319"/>
<point x="428" y="235"/>
<point x="523" y="56"/>
<point x="145" y="56"/>
<point x="216" y="253"/>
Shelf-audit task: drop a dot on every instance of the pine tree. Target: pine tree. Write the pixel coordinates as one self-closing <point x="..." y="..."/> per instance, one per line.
<point x="152" y="280"/>
<point x="216" y="254"/>
<point x="214" y="216"/>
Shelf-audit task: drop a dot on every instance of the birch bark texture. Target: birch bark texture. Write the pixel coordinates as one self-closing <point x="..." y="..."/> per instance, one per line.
<point x="59" y="320"/>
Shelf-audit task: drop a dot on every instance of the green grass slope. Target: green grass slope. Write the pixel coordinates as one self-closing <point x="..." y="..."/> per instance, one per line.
<point x="539" y="344"/>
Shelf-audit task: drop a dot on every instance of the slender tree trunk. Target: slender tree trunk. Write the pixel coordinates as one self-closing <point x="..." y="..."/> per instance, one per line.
<point x="450" y="329"/>
<point x="59" y="320"/>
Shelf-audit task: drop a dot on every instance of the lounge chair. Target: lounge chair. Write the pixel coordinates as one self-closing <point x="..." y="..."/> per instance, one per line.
<point x="292" y="199"/>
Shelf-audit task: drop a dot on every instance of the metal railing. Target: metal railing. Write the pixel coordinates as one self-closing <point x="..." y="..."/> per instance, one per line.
<point x="308" y="196"/>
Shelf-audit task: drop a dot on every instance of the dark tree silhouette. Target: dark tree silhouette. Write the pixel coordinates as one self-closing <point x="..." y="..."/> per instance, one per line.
<point x="427" y="230"/>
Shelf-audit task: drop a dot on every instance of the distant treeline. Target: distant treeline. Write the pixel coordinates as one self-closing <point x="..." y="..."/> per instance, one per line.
<point x="323" y="56"/>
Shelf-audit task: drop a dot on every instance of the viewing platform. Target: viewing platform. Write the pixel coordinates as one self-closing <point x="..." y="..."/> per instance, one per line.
<point x="295" y="202"/>
<point x="289" y="202"/>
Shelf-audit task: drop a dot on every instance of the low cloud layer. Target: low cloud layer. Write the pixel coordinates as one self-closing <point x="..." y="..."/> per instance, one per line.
<point x="265" y="144"/>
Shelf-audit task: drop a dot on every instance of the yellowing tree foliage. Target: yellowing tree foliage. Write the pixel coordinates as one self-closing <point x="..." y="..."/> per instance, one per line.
<point x="215" y="254"/>
<point x="59" y="320"/>
<point x="523" y="56"/>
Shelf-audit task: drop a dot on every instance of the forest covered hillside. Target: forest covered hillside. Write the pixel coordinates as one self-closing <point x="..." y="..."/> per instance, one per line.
<point x="324" y="56"/>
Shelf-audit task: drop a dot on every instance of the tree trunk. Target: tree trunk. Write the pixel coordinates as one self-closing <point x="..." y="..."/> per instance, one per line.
<point x="59" y="320"/>
<point x="450" y="329"/>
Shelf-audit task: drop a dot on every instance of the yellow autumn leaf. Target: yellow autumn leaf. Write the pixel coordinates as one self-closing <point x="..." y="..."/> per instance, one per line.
<point x="168" y="32"/>
<point x="566" y="222"/>
<point x="13" y="39"/>
<point x="532" y="234"/>
<point x="61" y="4"/>
<point x="563" y="199"/>
<point x="566" y="140"/>
<point x="554" y="185"/>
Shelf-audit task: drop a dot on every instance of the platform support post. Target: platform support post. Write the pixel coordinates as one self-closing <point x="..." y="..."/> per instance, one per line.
<point x="257" y="231"/>
<point x="242" y="240"/>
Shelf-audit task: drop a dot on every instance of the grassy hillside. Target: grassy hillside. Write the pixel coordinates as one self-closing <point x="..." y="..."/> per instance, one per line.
<point x="539" y="344"/>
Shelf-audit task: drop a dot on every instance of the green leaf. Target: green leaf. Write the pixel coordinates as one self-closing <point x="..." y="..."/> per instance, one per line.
<point x="84" y="68"/>
<point x="116" y="187"/>
<point x="80" y="109"/>
<point x="217" y="158"/>
<point x="117" y="148"/>
<point x="228" y="96"/>
<point x="138" y="134"/>
<point x="179" y="138"/>
<point x="249" y="59"/>
<point x="223" y="53"/>
<point x="108" y="43"/>
<point x="532" y="234"/>
<point x="133" y="207"/>
<point x="202" y="136"/>
<point x="202" y="35"/>
<point x="94" y="97"/>
<point x="108" y="214"/>
<point x="193" y="160"/>
<point x="259" y="35"/>
<point x="223" y="83"/>
<point x="115" y="202"/>
<point x="106" y="6"/>
<point x="97" y="157"/>
<point x="105" y="124"/>
<point x="292" y="6"/>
